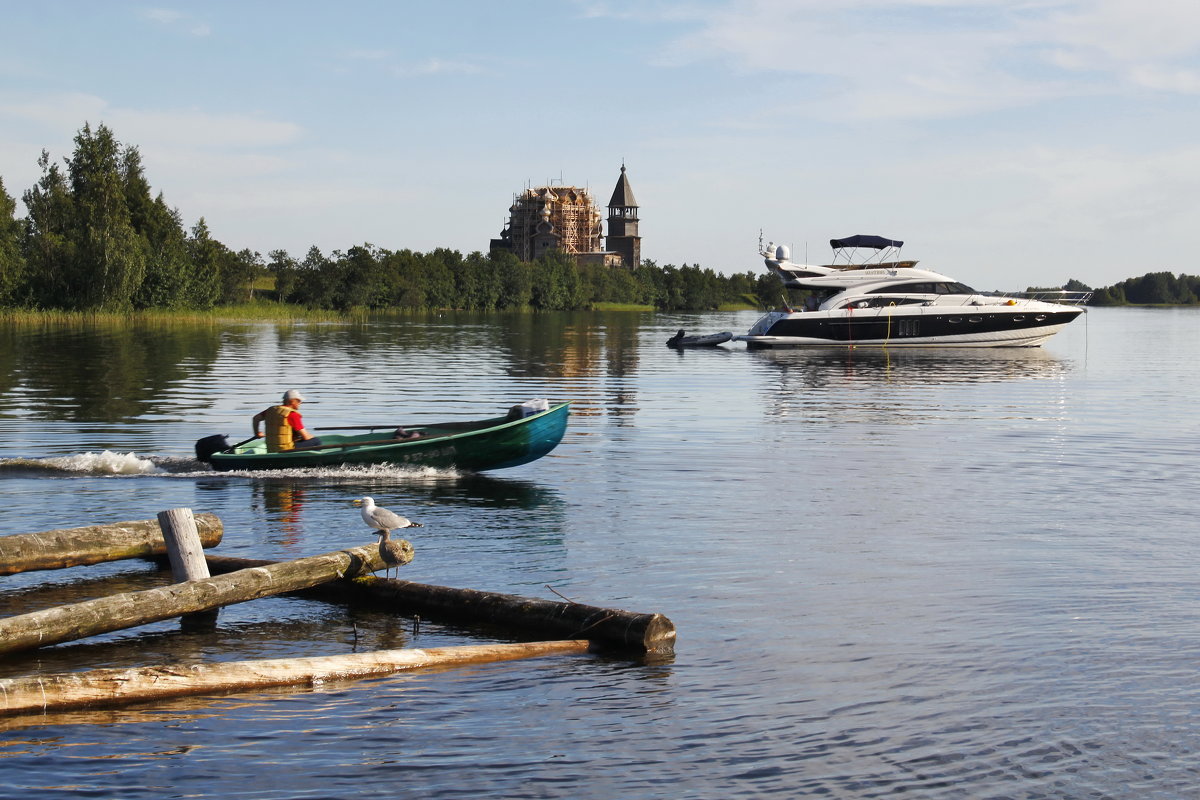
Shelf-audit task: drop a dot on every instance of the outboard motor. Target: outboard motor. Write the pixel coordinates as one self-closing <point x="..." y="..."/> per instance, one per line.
<point x="210" y="444"/>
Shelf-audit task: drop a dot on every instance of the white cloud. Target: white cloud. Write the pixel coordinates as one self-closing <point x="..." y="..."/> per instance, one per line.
<point x="172" y="18"/>
<point x="201" y="129"/>
<point x="437" y="66"/>
<point x="1121" y="31"/>
<point x="187" y="127"/>
<point x="67" y="110"/>
<point x="1179" y="81"/>
<point x="1033" y="214"/>
<point x="164" y="15"/>
<point x="368" y="55"/>
<point x="189" y="154"/>
<point x="938" y="58"/>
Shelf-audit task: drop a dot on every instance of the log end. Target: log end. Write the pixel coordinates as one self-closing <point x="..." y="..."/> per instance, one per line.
<point x="659" y="635"/>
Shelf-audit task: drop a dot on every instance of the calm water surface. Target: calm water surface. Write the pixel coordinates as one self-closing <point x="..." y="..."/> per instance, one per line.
<point x="948" y="574"/>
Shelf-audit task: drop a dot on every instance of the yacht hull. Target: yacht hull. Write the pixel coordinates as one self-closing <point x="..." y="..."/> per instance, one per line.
<point x="920" y="327"/>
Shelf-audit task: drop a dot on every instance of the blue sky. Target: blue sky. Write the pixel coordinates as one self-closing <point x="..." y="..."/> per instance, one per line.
<point x="1008" y="142"/>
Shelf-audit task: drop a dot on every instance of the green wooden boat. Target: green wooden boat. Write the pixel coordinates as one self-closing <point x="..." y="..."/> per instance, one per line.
<point x="474" y="446"/>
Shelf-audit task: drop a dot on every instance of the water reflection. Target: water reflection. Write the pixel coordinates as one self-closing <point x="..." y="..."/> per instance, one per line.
<point x="498" y="492"/>
<point x="102" y="372"/>
<point x="827" y="366"/>
<point x="24" y="593"/>
<point x="117" y="371"/>
<point x="863" y="385"/>
<point x="284" y="502"/>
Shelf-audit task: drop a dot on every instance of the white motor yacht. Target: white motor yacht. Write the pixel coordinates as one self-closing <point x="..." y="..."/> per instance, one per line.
<point x="884" y="301"/>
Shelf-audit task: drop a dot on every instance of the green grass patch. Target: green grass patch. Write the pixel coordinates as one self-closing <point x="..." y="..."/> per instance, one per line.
<point x="621" y="307"/>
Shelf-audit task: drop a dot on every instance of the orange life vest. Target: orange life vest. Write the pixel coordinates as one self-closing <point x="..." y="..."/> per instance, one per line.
<point x="278" y="432"/>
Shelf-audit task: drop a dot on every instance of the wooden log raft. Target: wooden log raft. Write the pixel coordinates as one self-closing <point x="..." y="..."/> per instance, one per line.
<point x="650" y="633"/>
<point x="108" y="687"/>
<point x="129" y="609"/>
<point x="93" y="544"/>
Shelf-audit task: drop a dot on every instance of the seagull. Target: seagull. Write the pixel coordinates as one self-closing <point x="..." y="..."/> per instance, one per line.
<point x="384" y="522"/>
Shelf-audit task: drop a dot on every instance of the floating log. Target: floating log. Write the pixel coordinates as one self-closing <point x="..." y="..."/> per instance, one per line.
<point x="130" y="609"/>
<point x="651" y="633"/>
<point x="108" y="687"/>
<point x="93" y="544"/>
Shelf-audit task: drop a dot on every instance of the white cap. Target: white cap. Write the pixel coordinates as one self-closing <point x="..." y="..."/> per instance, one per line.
<point x="292" y="394"/>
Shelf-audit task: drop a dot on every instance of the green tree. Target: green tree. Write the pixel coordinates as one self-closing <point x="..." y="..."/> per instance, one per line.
<point x="50" y="248"/>
<point x="239" y="271"/>
<point x="316" y="286"/>
<point x="556" y="283"/>
<point x="515" y="279"/>
<point x="109" y="259"/>
<point x="135" y="188"/>
<point x="1153" y="287"/>
<point x="12" y="261"/>
<point x="478" y="283"/>
<point x="167" y="283"/>
<point x="407" y="279"/>
<point x="207" y="257"/>
<point x="361" y="281"/>
<point x="286" y="272"/>
<point x="440" y="267"/>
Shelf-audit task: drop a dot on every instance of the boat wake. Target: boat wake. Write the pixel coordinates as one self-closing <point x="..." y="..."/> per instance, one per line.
<point x="130" y="464"/>
<point x="103" y="463"/>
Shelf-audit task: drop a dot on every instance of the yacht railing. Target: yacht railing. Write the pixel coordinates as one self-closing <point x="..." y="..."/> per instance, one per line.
<point x="1060" y="296"/>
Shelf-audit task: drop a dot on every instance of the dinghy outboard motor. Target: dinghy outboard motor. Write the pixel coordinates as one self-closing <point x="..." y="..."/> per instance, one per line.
<point x="210" y="444"/>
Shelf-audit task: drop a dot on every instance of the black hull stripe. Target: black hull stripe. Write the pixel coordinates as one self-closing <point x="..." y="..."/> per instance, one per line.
<point x="900" y="327"/>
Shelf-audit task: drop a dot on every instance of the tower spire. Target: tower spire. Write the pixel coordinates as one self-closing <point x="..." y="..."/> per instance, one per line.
<point x="623" y="235"/>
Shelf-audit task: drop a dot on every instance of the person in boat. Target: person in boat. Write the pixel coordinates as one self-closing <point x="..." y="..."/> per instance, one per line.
<point x="284" y="426"/>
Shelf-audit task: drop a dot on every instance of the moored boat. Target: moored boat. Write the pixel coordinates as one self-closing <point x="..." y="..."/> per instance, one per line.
<point x="681" y="339"/>
<point x="884" y="301"/>
<point x="475" y="446"/>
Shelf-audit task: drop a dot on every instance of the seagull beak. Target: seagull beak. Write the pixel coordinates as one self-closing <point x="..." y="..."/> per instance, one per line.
<point x="356" y="502"/>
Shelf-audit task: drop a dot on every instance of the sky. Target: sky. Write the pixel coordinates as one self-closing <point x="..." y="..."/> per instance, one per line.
<point x="1009" y="143"/>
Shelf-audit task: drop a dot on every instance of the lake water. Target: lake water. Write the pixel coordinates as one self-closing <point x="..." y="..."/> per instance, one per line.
<point x="946" y="574"/>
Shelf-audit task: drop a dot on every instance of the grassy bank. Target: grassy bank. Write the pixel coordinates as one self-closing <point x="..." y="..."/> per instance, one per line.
<point x="247" y="311"/>
<point x="261" y="310"/>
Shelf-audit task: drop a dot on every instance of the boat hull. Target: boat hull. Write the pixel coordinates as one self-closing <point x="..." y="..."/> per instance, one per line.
<point x="477" y="446"/>
<point x="708" y="340"/>
<point x="986" y="326"/>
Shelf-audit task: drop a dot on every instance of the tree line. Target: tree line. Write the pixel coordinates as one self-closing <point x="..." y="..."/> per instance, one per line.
<point x="95" y="239"/>
<point x="1153" y="288"/>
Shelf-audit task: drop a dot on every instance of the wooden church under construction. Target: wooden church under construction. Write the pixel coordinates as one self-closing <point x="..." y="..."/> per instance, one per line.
<point x="566" y="218"/>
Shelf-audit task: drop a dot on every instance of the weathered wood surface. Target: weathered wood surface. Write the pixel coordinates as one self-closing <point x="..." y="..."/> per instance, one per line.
<point x="186" y="554"/>
<point x="130" y="609"/>
<point x="94" y="544"/>
<point x="184" y="549"/>
<point x="108" y="687"/>
<point x="651" y="633"/>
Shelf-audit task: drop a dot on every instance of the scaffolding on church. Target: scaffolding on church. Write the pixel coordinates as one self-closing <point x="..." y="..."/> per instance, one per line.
<point x="548" y="218"/>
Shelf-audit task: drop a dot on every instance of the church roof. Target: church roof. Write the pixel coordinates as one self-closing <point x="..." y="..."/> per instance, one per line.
<point x="622" y="195"/>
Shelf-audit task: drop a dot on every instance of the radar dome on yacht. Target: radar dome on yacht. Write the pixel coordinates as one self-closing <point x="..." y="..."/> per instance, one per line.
<point x="782" y="253"/>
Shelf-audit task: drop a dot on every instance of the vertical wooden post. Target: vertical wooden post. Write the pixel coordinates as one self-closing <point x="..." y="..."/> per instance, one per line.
<point x="186" y="555"/>
<point x="183" y="544"/>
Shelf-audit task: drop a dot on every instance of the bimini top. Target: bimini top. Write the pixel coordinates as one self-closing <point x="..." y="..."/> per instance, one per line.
<point x="876" y="242"/>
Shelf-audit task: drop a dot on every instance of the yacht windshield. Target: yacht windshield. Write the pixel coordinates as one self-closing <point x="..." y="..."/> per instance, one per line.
<point x="925" y="287"/>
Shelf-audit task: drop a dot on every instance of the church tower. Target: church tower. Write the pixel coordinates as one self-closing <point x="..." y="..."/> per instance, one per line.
<point x="623" y="224"/>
